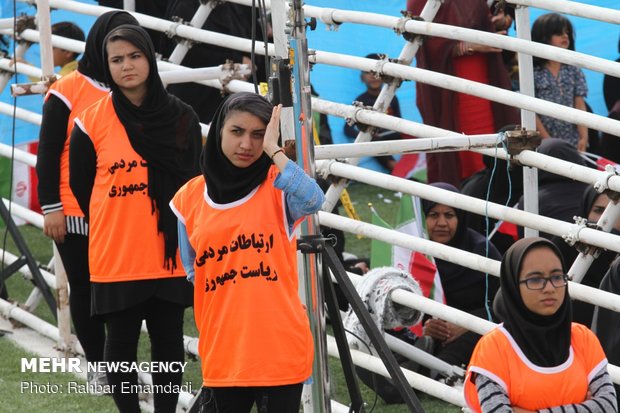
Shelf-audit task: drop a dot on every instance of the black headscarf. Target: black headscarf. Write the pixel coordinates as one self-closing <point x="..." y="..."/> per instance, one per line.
<point x="545" y="340"/>
<point x="162" y="130"/>
<point x="226" y="182"/>
<point x="92" y="64"/>
<point x="464" y="287"/>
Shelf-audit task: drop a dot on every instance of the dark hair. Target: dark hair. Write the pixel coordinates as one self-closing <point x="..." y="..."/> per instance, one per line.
<point x="135" y="35"/>
<point x="68" y="30"/>
<point x="248" y="102"/>
<point x="548" y="25"/>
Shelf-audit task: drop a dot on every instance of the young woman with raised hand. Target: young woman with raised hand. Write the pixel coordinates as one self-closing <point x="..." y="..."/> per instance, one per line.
<point x="130" y="152"/>
<point x="537" y="360"/>
<point x="63" y="219"/>
<point x="236" y="225"/>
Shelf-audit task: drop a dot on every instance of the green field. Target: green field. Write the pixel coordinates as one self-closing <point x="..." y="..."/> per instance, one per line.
<point x="13" y="400"/>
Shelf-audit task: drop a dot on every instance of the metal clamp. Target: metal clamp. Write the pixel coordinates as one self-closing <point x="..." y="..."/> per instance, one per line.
<point x="602" y="183"/>
<point x="22" y="23"/>
<point x="401" y="30"/>
<point x="353" y="121"/>
<point x="520" y="140"/>
<point x="573" y="235"/>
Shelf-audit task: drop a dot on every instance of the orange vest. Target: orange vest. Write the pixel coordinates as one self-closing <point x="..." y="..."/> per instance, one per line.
<point x="123" y="241"/>
<point x="528" y="386"/>
<point x="77" y="92"/>
<point x="253" y="327"/>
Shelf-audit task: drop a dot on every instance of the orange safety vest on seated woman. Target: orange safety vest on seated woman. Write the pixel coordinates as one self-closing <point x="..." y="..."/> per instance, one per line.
<point x="123" y="243"/>
<point x="498" y="357"/>
<point x="253" y="327"/>
<point x="77" y="92"/>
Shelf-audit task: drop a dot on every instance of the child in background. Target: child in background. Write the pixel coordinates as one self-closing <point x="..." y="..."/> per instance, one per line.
<point x="558" y="82"/>
<point x="373" y="88"/>
<point x="66" y="59"/>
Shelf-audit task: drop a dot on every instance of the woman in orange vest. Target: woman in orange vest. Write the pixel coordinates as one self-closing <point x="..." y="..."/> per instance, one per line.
<point x="537" y="360"/>
<point x="63" y="219"/>
<point x="236" y="225"/>
<point x="129" y="154"/>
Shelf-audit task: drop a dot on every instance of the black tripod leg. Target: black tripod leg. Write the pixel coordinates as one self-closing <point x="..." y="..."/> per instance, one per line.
<point x="37" y="277"/>
<point x="357" y="403"/>
<point x="373" y="332"/>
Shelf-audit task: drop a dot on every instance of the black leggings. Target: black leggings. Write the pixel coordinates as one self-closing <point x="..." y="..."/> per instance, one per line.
<point x="89" y="330"/>
<point x="164" y="321"/>
<point x="275" y="399"/>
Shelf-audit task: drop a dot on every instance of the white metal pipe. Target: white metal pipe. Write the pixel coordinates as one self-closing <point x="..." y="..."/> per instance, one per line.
<point x="384" y="99"/>
<point x="129" y="5"/>
<point x="65" y="338"/>
<point x="560" y="167"/>
<point x="474" y="88"/>
<point x="574" y="8"/>
<point x="45" y="30"/>
<point x="203" y="73"/>
<point x="24" y="68"/>
<point x="382" y="120"/>
<point x="7" y="23"/>
<point x="6" y="75"/>
<point x="19" y="155"/>
<point x="10" y="258"/>
<point x="417" y="381"/>
<point x="20" y="113"/>
<point x="161" y="25"/>
<point x="422" y="357"/>
<point x="331" y="16"/>
<point x="10" y="310"/>
<point x="471" y="204"/>
<point x="606" y="222"/>
<point x="24" y="213"/>
<point x="447" y="143"/>
<point x="528" y="118"/>
<point x="199" y="19"/>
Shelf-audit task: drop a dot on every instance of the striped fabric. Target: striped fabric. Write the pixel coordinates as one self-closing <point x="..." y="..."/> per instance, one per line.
<point x="77" y="225"/>
<point x="493" y="398"/>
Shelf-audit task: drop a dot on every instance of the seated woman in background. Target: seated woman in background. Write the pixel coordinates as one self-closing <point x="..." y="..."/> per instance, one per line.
<point x="537" y="360"/>
<point x="592" y="206"/>
<point x="465" y="289"/>
<point x="556" y="193"/>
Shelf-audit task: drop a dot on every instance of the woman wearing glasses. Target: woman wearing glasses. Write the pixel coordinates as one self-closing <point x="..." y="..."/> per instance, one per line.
<point x="537" y="360"/>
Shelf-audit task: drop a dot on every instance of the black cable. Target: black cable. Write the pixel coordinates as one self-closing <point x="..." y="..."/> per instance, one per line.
<point x="12" y="161"/>
<point x="374" y="380"/>
<point x="252" y="53"/>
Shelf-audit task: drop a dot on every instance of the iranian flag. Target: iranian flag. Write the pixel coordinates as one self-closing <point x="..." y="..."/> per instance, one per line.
<point x="411" y="222"/>
<point x="24" y="185"/>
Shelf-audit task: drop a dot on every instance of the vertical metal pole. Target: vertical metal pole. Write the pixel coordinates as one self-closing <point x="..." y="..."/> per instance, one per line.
<point x="129" y="5"/>
<point x="65" y="340"/>
<point x="45" y="32"/>
<point x="383" y="100"/>
<point x="47" y="67"/>
<point x="281" y="31"/>
<point x="528" y="118"/>
<point x="310" y="271"/>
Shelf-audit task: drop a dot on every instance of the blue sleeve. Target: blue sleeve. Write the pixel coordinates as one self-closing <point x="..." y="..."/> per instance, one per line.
<point x="303" y="194"/>
<point x="187" y="253"/>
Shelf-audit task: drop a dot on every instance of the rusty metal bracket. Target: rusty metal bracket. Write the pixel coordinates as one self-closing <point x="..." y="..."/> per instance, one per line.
<point x="32" y="88"/>
<point x="519" y="140"/>
<point x="400" y="26"/>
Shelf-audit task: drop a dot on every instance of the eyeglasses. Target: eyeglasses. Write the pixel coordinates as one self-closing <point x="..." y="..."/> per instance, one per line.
<point x="539" y="283"/>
